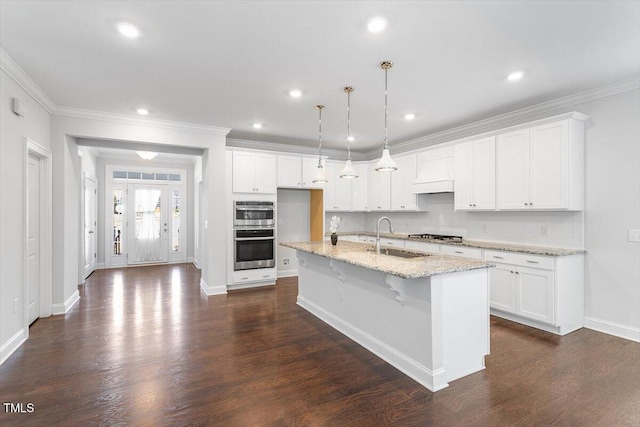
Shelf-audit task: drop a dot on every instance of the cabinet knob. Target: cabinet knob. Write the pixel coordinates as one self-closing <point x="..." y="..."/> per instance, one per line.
<point x="470" y="205"/>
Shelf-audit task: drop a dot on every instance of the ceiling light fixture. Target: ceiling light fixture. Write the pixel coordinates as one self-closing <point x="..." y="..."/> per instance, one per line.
<point x="147" y="155"/>
<point x="515" y="76"/>
<point x="257" y="125"/>
<point x="142" y="111"/>
<point x="348" y="172"/>
<point x="350" y="139"/>
<point x="295" y="93"/>
<point x="409" y="116"/>
<point x="377" y="24"/>
<point x="128" y="30"/>
<point x="321" y="176"/>
<point x="386" y="163"/>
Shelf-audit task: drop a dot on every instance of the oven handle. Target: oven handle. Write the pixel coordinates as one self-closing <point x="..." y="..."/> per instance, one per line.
<point x="240" y="239"/>
<point x="254" y="209"/>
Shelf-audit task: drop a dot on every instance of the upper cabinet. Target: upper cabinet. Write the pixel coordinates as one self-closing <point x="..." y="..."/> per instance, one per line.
<point x="541" y="167"/>
<point x="475" y="175"/>
<point x="297" y="172"/>
<point x="402" y="198"/>
<point x="360" y="188"/>
<point x="254" y="172"/>
<point x="379" y="189"/>
<point x="337" y="192"/>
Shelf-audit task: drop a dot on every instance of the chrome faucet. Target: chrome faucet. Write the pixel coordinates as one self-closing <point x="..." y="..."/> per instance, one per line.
<point x="378" y="232"/>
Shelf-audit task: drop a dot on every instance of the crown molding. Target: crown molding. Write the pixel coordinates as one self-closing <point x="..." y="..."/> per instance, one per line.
<point x="133" y="120"/>
<point x="13" y="70"/>
<point x="505" y="120"/>
<point x="289" y="148"/>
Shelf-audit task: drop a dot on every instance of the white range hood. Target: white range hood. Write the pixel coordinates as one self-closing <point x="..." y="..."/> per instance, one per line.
<point x="435" y="171"/>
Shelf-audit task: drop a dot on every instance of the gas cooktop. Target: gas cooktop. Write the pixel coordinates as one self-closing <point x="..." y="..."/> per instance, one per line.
<point x="441" y="237"/>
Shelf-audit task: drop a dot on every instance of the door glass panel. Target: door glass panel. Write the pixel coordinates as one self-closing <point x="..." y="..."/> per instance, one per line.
<point x="175" y="218"/>
<point x="118" y="210"/>
<point x="147" y="214"/>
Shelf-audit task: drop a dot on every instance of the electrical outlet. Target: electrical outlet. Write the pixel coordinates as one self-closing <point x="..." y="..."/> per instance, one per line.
<point x="634" y="235"/>
<point x="544" y="231"/>
<point x="15" y="305"/>
<point x="279" y="221"/>
<point x="285" y="261"/>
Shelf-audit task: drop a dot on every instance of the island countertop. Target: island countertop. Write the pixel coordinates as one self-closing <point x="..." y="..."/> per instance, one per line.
<point x="408" y="268"/>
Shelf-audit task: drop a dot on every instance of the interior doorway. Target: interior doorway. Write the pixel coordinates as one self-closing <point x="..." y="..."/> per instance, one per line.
<point x="90" y="225"/>
<point x="34" y="192"/>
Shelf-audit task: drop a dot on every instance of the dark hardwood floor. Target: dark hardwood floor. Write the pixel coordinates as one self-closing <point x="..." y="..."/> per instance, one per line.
<point x="145" y="347"/>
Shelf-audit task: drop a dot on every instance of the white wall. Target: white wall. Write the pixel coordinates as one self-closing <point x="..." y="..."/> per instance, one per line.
<point x="102" y="179"/>
<point x="293" y="226"/>
<point x="13" y="131"/>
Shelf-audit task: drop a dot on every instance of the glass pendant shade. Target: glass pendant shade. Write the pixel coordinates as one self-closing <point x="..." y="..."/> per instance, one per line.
<point x="348" y="172"/>
<point x="321" y="176"/>
<point x="386" y="163"/>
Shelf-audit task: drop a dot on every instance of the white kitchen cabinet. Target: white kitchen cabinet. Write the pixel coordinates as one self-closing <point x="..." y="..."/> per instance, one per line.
<point x="432" y="248"/>
<point x="379" y="189"/>
<point x="475" y="175"/>
<point x="297" y="172"/>
<point x="461" y="251"/>
<point x="337" y="192"/>
<point x="402" y="198"/>
<point x="539" y="291"/>
<point x="360" y="188"/>
<point x="541" y="167"/>
<point x="254" y="172"/>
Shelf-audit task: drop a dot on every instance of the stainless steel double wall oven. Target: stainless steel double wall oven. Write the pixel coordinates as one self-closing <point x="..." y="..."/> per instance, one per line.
<point x="254" y="237"/>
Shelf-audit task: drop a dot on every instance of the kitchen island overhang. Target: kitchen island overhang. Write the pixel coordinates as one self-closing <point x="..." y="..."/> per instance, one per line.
<point x="427" y="316"/>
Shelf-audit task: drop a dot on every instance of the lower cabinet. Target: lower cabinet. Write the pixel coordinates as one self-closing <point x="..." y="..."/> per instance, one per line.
<point x="548" y="296"/>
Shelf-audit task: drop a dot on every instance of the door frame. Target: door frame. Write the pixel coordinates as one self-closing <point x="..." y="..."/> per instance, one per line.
<point x="46" y="221"/>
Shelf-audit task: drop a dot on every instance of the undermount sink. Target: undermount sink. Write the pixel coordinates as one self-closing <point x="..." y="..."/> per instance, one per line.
<point x="400" y="253"/>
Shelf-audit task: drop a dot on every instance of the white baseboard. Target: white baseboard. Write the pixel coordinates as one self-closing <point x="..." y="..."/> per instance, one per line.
<point x="287" y="273"/>
<point x="12" y="345"/>
<point x="212" y="290"/>
<point x="434" y="381"/>
<point x="233" y="287"/>
<point x="194" y="261"/>
<point x="611" y="328"/>
<point x="64" y="308"/>
<point x="100" y="266"/>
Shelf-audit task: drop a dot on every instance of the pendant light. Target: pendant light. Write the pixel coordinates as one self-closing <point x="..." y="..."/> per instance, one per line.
<point x="386" y="163"/>
<point x="321" y="176"/>
<point x="348" y="172"/>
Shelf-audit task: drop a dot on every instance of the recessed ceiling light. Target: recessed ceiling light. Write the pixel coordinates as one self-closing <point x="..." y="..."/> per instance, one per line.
<point x="409" y="116"/>
<point x="257" y="125"/>
<point x="350" y="139"/>
<point x="128" y="30"/>
<point x="377" y="24"/>
<point x="515" y="76"/>
<point x="295" y="93"/>
<point x="142" y="111"/>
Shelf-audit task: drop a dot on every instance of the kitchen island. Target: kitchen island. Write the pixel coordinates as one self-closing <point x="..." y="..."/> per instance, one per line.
<point x="427" y="315"/>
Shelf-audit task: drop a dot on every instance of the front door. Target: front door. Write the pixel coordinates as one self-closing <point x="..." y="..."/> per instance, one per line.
<point x="33" y="237"/>
<point x="148" y="223"/>
<point x="90" y="222"/>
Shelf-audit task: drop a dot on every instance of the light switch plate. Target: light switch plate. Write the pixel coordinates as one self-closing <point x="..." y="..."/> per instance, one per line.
<point x="634" y="235"/>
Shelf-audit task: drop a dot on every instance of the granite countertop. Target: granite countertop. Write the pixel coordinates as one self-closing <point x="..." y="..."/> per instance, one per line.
<point x="495" y="246"/>
<point x="408" y="268"/>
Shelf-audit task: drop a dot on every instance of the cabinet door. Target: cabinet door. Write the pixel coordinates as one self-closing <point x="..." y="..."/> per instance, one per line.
<point x="309" y="170"/>
<point x="384" y="185"/>
<point x="512" y="170"/>
<point x="502" y="288"/>
<point x="342" y="189"/>
<point x="463" y="181"/>
<point x="289" y="171"/>
<point x="549" y="166"/>
<point x="330" y="187"/>
<point x="374" y="188"/>
<point x="401" y="196"/>
<point x="244" y="175"/>
<point x="265" y="173"/>
<point x="360" y="188"/>
<point x="484" y="173"/>
<point x="535" y="294"/>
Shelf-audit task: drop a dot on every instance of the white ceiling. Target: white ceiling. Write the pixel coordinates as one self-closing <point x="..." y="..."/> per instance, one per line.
<point x="230" y="64"/>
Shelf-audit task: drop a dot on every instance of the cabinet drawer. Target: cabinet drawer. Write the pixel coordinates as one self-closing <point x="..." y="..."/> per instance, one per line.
<point x="525" y="260"/>
<point x="367" y="239"/>
<point x="349" y="238"/>
<point x="394" y="243"/>
<point x="258" y="275"/>
<point x="431" y="248"/>
<point x="461" y="251"/>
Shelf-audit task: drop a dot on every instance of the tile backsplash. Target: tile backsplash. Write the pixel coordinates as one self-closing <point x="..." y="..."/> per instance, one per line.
<point x="559" y="229"/>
